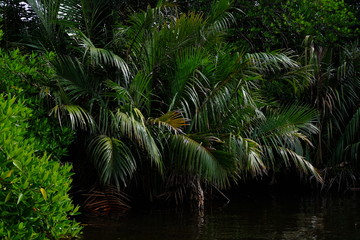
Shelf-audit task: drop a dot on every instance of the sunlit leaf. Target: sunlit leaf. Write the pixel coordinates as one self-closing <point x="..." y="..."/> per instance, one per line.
<point x="43" y="193"/>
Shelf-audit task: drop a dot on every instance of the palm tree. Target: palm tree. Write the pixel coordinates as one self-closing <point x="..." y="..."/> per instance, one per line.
<point x="194" y="73"/>
<point x="167" y="103"/>
<point x="334" y="92"/>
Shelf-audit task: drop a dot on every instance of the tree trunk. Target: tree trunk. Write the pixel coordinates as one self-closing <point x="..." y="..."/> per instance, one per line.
<point x="197" y="195"/>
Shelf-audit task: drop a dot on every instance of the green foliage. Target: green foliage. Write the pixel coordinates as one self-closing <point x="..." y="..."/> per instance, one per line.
<point x="284" y="24"/>
<point x="335" y="90"/>
<point x="171" y="100"/>
<point x="165" y="96"/>
<point x="329" y="22"/>
<point x="23" y="73"/>
<point x="34" y="203"/>
<point x="216" y="90"/>
<point x="28" y="77"/>
<point x="34" y="186"/>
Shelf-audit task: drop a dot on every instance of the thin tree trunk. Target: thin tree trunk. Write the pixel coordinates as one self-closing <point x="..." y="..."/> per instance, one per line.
<point x="197" y="196"/>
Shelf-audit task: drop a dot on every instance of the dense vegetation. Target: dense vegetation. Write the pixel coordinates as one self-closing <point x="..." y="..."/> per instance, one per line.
<point x="34" y="187"/>
<point x="34" y="199"/>
<point x="172" y="102"/>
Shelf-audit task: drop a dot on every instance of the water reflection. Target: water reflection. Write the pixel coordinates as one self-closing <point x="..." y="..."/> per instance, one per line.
<point x="251" y="218"/>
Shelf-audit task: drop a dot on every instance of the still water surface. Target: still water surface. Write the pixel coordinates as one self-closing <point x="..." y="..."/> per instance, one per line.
<point x="251" y="218"/>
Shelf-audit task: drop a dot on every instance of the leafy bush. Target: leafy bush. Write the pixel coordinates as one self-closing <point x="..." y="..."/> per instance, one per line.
<point x="277" y="24"/>
<point x="34" y="203"/>
<point x="27" y="76"/>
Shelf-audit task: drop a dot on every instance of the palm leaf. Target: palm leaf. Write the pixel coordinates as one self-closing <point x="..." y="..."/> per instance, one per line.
<point x="287" y="120"/>
<point x="113" y="159"/>
<point x="132" y="125"/>
<point x="192" y="157"/>
<point x="273" y="61"/>
<point x="77" y="115"/>
<point x="53" y="16"/>
<point x="281" y="135"/>
<point x="219" y="17"/>
<point x="187" y="62"/>
<point x="119" y="93"/>
<point x="300" y="162"/>
<point x="47" y="11"/>
<point x="74" y="79"/>
<point x="140" y="91"/>
<point x="102" y="56"/>
<point x="171" y="120"/>
<point x="348" y="143"/>
<point x="94" y="15"/>
<point x="248" y="154"/>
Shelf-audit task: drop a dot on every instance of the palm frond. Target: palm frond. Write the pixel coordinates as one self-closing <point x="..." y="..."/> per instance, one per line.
<point x="299" y="161"/>
<point x="113" y="159"/>
<point x="248" y="154"/>
<point x="47" y="11"/>
<point x="288" y="120"/>
<point x="192" y="157"/>
<point x="213" y="108"/>
<point x="188" y="60"/>
<point x="143" y="30"/>
<point x="187" y="30"/>
<point x="227" y="86"/>
<point x="120" y="94"/>
<point x="219" y="17"/>
<point x="171" y="120"/>
<point x="348" y="143"/>
<point x="79" y="118"/>
<point x="99" y="56"/>
<point x="53" y="17"/>
<point x="94" y="14"/>
<point x="70" y="11"/>
<point x="273" y="61"/>
<point x="282" y="135"/>
<point x="132" y="125"/>
<point x="74" y="79"/>
<point x="140" y="91"/>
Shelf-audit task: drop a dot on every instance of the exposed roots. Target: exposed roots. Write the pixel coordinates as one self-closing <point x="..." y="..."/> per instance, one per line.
<point x="105" y="200"/>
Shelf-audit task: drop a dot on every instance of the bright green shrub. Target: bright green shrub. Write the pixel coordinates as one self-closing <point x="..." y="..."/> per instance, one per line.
<point x="28" y="76"/>
<point x="34" y="203"/>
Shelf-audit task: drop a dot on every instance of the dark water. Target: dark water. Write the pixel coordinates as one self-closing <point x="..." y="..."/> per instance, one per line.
<point x="252" y="218"/>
